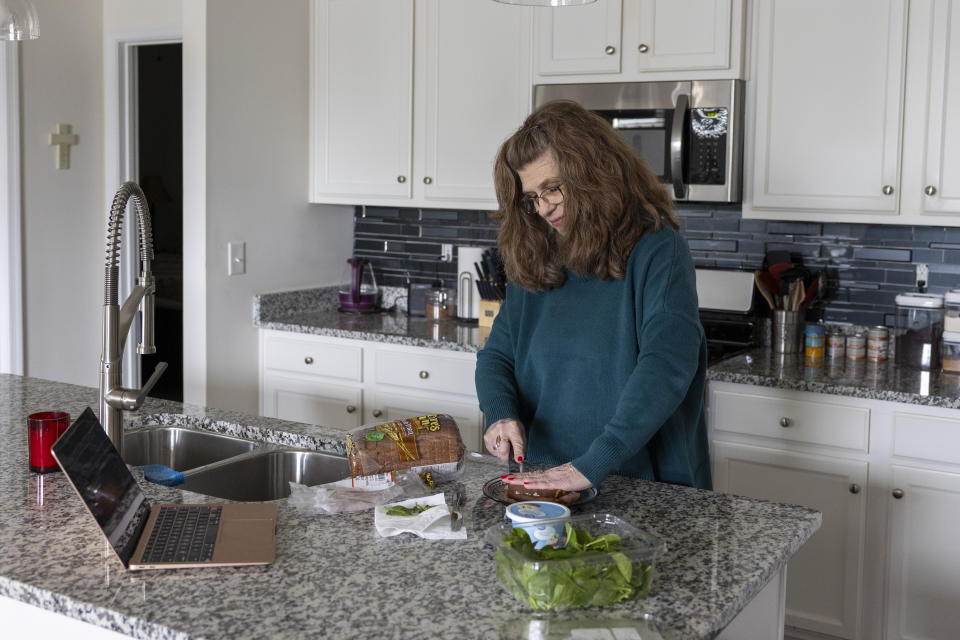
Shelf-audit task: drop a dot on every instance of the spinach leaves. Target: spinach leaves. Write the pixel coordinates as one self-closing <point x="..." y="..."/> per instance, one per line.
<point x="586" y="571"/>
<point x="399" y="510"/>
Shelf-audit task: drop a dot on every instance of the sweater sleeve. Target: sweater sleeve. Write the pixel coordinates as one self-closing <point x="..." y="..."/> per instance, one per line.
<point x="669" y="336"/>
<point x="494" y="375"/>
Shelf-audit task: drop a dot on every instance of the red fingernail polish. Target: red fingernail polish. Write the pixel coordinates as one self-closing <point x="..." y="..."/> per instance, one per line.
<point x="519" y="458"/>
<point x="525" y="482"/>
<point x="503" y="477"/>
<point x="509" y="477"/>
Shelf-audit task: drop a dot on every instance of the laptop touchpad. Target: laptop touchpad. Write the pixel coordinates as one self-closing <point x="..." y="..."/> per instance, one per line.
<point x="246" y="541"/>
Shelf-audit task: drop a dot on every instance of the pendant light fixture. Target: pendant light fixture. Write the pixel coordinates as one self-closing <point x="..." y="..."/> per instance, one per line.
<point x="548" y="3"/>
<point x="18" y="20"/>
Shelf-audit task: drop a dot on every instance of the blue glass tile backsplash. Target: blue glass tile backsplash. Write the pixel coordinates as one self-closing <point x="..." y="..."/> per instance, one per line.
<point x="867" y="265"/>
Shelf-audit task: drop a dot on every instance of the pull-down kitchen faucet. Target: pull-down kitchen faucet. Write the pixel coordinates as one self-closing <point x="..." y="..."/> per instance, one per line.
<point x="117" y="320"/>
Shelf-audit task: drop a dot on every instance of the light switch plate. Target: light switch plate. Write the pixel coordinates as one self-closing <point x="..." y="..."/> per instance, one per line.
<point x="236" y="258"/>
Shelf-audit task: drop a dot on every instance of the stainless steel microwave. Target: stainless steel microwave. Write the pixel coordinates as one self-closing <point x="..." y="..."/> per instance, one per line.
<point x="689" y="132"/>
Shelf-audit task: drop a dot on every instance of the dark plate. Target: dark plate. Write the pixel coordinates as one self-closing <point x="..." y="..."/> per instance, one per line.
<point x="495" y="489"/>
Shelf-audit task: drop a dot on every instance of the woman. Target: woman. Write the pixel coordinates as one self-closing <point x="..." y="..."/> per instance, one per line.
<point x="596" y="362"/>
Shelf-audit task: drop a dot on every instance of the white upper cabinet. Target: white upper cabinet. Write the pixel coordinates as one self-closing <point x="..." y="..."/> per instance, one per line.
<point x="578" y="39"/>
<point x="825" y="112"/>
<point x="930" y="184"/>
<point x="361" y="99"/>
<point x="410" y="99"/>
<point x="639" y="40"/>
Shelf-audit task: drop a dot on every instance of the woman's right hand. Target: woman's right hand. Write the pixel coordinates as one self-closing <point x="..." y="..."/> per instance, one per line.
<point x="502" y="437"/>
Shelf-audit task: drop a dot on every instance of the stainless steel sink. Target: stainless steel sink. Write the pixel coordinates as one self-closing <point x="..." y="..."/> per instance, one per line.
<point x="264" y="475"/>
<point x="180" y="449"/>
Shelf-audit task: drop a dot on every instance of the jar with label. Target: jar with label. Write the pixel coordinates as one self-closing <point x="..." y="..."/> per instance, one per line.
<point x="813" y="342"/>
<point x="834" y="344"/>
<point x="920" y="324"/>
<point x="951" y="308"/>
<point x="951" y="351"/>
<point x="877" y="344"/>
<point x="856" y="346"/>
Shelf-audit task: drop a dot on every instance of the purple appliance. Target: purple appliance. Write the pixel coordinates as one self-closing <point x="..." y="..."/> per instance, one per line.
<point x="358" y="291"/>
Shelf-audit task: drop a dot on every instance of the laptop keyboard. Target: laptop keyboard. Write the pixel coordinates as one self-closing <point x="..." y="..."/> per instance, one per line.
<point x="183" y="534"/>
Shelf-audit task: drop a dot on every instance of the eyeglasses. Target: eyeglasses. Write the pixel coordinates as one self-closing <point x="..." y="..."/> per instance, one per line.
<point x="551" y="196"/>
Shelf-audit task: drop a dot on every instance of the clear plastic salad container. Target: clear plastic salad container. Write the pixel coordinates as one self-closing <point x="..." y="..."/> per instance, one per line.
<point x="601" y="560"/>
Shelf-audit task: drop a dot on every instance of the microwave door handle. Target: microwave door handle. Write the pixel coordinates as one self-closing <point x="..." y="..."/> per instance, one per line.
<point x="676" y="145"/>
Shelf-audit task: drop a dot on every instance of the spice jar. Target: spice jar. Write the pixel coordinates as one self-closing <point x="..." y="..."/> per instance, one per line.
<point x="951" y="314"/>
<point x="951" y="351"/>
<point x="834" y="344"/>
<point x="877" y="344"/>
<point x="439" y="304"/>
<point x="813" y="342"/>
<point x="920" y="322"/>
<point x="856" y="346"/>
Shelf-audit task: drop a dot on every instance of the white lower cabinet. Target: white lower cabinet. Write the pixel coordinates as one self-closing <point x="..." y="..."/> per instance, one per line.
<point x="886" y="477"/>
<point x="336" y="382"/>
<point x="824" y="580"/>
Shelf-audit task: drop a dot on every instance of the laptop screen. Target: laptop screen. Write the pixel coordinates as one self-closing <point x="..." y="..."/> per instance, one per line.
<point x="101" y="478"/>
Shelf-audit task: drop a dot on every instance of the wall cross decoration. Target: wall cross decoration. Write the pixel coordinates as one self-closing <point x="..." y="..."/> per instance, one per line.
<point x="63" y="139"/>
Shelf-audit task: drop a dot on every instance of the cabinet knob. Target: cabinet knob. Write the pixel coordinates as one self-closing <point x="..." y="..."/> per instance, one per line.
<point x="351" y="408"/>
<point x="428" y="180"/>
<point x="610" y="50"/>
<point x="424" y="375"/>
<point x="854" y="488"/>
<point x="401" y="179"/>
<point x="785" y="421"/>
<point x="887" y="190"/>
<point x="897" y="493"/>
<point x="643" y="48"/>
<point x="308" y="360"/>
<point x="930" y="190"/>
<point x="377" y="413"/>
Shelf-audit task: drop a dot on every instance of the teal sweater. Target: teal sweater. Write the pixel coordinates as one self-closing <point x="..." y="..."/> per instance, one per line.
<point x="608" y="374"/>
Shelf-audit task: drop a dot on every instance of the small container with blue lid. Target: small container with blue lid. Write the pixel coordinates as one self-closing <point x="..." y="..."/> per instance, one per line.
<point x="544" y="522"/>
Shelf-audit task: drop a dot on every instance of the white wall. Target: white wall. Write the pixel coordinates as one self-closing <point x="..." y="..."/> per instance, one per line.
<point x="256" y="183"/>
<point x="63" y="210"/>
<point x="251" y="168"/>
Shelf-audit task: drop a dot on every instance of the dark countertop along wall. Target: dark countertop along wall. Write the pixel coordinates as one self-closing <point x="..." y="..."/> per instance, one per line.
<point x="867" y="265"/>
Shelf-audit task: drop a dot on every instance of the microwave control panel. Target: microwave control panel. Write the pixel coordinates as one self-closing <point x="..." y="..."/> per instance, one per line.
<point x="707" y="140"/>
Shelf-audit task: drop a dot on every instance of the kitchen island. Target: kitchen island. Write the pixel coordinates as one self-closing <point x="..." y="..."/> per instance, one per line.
<point x="333" y="577"/>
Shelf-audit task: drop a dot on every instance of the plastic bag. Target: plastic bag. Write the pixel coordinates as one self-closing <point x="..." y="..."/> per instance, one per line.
<point x="342" y="496"/>
<point x="425" y="443"/>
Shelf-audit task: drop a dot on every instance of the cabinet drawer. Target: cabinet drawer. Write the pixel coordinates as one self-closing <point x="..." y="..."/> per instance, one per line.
<point x="923" y="436"/>
<point x="823" y="423"/>
<point x="425" y="372"/>
<point x="298" y="355"/>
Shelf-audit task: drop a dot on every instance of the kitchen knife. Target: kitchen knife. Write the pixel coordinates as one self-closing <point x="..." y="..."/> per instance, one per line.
<point x="455" y="498"/>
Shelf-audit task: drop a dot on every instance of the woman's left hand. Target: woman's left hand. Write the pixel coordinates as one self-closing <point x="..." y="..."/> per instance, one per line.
<point x="564" y="477"/>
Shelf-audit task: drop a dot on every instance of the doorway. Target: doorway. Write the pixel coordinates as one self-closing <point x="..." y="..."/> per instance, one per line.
<point x="159" y="172"/>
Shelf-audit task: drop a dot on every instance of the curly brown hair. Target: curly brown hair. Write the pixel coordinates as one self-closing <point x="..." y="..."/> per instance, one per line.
<point x="610" y="199"/>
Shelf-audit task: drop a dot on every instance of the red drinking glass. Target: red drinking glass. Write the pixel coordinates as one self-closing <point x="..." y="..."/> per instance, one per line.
<point x="43" y="429"/>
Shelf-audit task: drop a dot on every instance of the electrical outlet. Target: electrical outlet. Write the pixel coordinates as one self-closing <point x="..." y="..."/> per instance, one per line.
<point x="923" y="276"/>
<point x="446" y="253"/>
<point x="236" y="258"/>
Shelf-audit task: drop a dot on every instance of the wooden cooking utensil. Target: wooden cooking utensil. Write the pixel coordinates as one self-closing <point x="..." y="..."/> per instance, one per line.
<point x="762" y="288"/>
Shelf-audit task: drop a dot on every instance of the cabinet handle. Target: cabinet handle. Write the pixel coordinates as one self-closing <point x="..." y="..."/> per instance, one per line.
<point x="424" y="375"/>
<point x="351" y="408"/>
<point x="785" y="422"/>
<point x="897" y="493"/>
<point x="854" y="488"/>
<point x="930" y="190"/>
<point x="643" y="48"/>
<point x="377" y="413"/>
<point x="887" y="190"/>
<point x="401" y="179"/>
<point x="610" y="50"/>
<point x="308" y="360"/>
<point x="428" y="180"/>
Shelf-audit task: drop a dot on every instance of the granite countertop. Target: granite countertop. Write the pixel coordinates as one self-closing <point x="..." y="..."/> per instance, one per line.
<point x="333" y="577"/>
<point x="882" y="380"/>
<point x="315" y="311"/>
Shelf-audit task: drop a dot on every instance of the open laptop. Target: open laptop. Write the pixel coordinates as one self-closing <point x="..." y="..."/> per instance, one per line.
<point x="161" y="536"/>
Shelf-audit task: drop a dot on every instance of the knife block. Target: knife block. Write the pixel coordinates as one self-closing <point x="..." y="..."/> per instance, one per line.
<point x="488" y="311"/>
